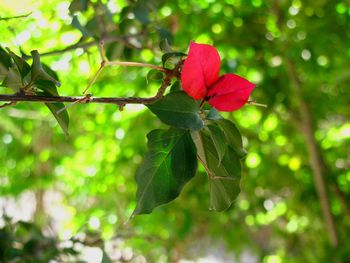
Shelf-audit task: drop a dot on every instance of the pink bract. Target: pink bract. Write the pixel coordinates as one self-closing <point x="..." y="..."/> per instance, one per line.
<point x="200" y="80"/>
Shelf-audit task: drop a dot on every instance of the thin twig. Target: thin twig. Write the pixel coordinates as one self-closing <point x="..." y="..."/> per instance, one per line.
<point x="15" y="17"/>
<point x="83" y="99"/>
<point x="93" y="80"/>
<point x="134" y="64"/>
<point x="250" y="102"/>
<point x="107" y="39"/>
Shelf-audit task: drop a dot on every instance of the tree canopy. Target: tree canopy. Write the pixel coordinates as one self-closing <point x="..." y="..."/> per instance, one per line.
<point x="119" y="141"/>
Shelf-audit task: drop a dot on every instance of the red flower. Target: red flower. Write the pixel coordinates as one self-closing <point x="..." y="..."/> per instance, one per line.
<point x="200" y="80"/>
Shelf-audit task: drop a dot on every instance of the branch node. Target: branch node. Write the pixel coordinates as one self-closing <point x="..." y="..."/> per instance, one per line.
<point x="12" y="103"/>
<point x="121" y="106"/>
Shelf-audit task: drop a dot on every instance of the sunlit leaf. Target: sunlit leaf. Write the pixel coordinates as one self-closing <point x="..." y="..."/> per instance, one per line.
<point x="13" y="80"/>
<point x="5" y="63"/>
<point x="49" y="89"/>
<point x="22" y="66"/>
<point x="38" y="72"/>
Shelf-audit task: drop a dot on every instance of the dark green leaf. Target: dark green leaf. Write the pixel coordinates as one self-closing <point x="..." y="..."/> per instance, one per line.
<point x="13" y="80"/>
<point x="142" y="14"/>
<point x="224" y="176"/>
<point x="22" y="66"/>
<point x="78" y="6"/>
<point x="169" y="164"/>
<point x="178" y="110"/>
<point x="81" y="28"/>
<point x="5" y="58"/>
<point x="169" y="56"/>
<point x="92" y="26"/>
<point x="175" y="87"/>
<point x="50" y="71"/>
<point x="229" y="166"/>
<point x="233" y="136"/>
<point x="218" y="138"/>
<point x="223" y="191"/>
<point x="47" y="86"/>
<point x="38" y="72"/>
<point x="154" y="74"/>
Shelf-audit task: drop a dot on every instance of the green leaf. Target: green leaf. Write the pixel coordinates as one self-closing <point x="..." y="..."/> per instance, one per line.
<point x="218" y="138"/>
<point x="227" y="171"/>
<point x="141" y="13"/>
<point x="165" y="46"/>
<point x="81" y="28"/>
<point x="233" y="136"/>
<point x="49" y="89"/>
<point x="169" y="164"/>
<point x="22" y="66"/>
<point x="47" y="86"/>
<point x="223" y="191"/>
<point x="154" y="74"/>
<point x="62" y="117"/>
<point x="179" y="110"/>
<point x="175" y="87"/>
<point x="169" y="56"/>
<point x="213" y="114"/>
<point x="38" y="72"/>
<point x="5" y="63"/>
<point x="78" y="6"/>
<point x="13" y="80"/>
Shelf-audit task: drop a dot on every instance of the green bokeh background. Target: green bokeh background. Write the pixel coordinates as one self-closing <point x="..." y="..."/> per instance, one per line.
<point x="297" y="52"/>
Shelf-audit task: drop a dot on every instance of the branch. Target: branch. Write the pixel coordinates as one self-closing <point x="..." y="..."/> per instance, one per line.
<point x="317" y="163"/>
<point x="13" y="98"/>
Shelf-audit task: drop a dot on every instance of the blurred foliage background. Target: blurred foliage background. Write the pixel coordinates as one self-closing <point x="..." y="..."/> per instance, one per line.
<point x="79" y="191"/>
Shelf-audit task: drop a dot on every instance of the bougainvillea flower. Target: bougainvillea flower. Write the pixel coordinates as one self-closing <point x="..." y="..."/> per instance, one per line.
<point x="200" y="80"/>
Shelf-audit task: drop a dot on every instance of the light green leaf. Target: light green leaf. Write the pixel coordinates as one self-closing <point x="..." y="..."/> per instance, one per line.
<point x="49" y="89"/>
<point x="13" y="80"/>
<point x="169" y="164"/>
<point x="22" y="66"/>
<point x="5" y="63"/>
<point x="38" y="72"/>
<point x="62" y="117"/>
<point x="179" y="110"/>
